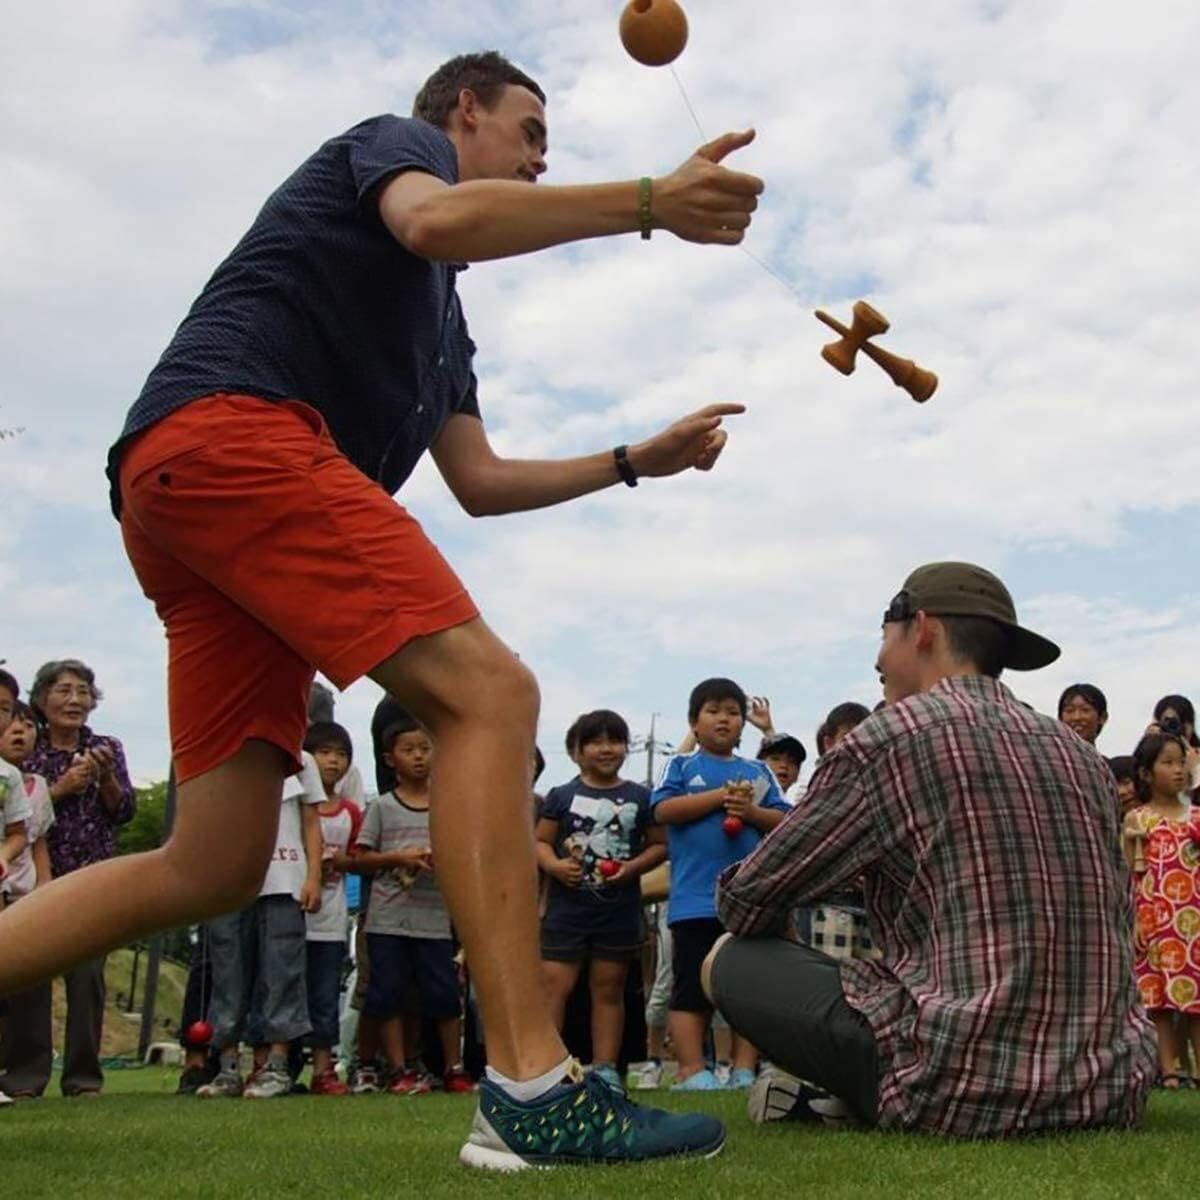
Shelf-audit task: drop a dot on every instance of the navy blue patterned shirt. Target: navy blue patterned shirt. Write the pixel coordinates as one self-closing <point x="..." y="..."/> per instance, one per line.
<point x="318" y="302"/>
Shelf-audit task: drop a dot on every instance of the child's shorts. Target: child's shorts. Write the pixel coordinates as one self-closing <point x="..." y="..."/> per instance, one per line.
<point x="606" y="945"/>
<point x="267" y="554"/>
<point x="690" y="943"/>
<point x="402" y="967"/>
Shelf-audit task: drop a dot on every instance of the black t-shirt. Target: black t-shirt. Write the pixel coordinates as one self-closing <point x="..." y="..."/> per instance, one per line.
<point x="595" y="824"/>
<point x="318" y="302"/>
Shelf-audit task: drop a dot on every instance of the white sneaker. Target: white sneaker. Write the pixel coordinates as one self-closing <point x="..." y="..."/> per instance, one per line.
<point x="223" y="1086"/>
<point x="6" y="1099"/>
<point x="722" y="1073"/>
<point x="647" y="1076"/>
<point x="269" y="1083"/>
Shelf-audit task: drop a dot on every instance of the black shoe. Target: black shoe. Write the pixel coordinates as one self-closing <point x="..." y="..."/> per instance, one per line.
<point x="192" y="1079"/>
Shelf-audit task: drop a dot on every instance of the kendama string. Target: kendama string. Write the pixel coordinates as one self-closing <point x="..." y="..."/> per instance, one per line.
<point x="780" y="279"/>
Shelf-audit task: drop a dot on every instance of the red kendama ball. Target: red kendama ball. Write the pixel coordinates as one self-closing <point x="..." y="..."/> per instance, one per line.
<point x="199" y="1033"/>
<point x="654" y="31"/>
<point x="609" y="867"/>
<point x="733" y="826"/>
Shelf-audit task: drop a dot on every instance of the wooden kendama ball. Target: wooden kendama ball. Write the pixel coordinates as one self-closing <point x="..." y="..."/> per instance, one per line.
<point x="654" y="31"/>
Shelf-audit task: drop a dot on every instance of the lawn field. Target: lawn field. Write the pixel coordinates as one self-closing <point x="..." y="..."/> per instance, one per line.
<point x="138" y="1140"/>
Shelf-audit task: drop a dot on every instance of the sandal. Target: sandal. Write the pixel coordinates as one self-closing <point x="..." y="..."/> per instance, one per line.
<point x="1172" y="1082"/>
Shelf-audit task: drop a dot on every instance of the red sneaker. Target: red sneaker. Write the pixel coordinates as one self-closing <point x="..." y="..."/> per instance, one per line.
<point x="328" y="1084"/>
<point x="457" y="1080"/>
<point x="411" y="1083"/>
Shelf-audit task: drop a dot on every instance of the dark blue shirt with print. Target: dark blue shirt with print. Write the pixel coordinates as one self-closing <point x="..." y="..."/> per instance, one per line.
<point x="318" y="302"/>
<point x="595" y="824"/>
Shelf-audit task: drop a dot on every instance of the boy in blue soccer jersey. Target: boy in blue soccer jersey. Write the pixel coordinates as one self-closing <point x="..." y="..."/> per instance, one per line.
<point x="716" y="807"/>
<point x="594" y="841"/>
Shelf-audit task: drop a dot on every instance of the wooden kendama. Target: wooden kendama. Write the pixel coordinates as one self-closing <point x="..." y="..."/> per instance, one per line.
<point x="654" y="32"/>
<point x="866" y="323"/>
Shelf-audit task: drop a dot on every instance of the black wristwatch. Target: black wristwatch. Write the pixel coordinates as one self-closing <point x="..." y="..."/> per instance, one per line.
<point x="624" y="466"/>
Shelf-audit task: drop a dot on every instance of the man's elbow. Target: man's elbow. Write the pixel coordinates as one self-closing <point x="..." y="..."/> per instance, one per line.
<point x="424" y="231"/>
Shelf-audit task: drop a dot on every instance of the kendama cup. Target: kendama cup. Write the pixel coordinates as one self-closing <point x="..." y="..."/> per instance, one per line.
<point x="868" y="322"/>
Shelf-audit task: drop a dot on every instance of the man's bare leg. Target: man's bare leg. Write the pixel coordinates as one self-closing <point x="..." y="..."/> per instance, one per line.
<point x="213" y="864"/>
<point x="481" y="705"/>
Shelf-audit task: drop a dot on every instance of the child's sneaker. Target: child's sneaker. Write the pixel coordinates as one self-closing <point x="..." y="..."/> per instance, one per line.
<point x="701" y="1081"/>
<point x="647" y="1076"/>
<point x="608" y="1073"/>
<point x="778" y="1096"/>
<point x="224" y="1085"/>
<point x="364" y="1081"/>
<point x="192" y="1079"/>
<point x="740" y="1078"/>
<point x="328" y="1084"/>
<point x="411" y="1083"/>
<point x="269" y="1082"/>
<point x="6" y="1099"/>
<point x="580" y="1122"/>
<point x="457" y="1080"/>
<point x="722" y="1072"/>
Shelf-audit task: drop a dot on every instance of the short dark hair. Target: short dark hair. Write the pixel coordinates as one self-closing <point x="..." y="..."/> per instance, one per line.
<point x="845" y="716"/>
<point x="539" y="763"/>
<point x="822" y="735"/>
<point x="398" y="728"/>
<point x="1089" y="693"/>
<point x="982" y="642"/>
<point x="1121" y="765"/>
<point x="1146" y="755"/>
<point x="715" y="689"/>
<point x="571" y="739"/>
<point x="1182" y="707"/>
<point x="9" y="682"/>
<point x="328" y="733"/>
<point x="486" y="74"/>
<point x="602" y="723"/>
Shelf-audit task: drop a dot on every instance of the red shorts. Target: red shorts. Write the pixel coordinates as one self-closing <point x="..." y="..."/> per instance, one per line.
<point x="268" y="555"/>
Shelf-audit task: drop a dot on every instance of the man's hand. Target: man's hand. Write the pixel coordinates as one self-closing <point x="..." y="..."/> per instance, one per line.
<point x="702" y="201"/>
<point x="693" y="441"/>
<point x="759" y="715"/>
<point x="568" y="872"/>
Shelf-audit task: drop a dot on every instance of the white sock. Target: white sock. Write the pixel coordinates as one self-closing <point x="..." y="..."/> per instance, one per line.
<point x="525" y="1090"/>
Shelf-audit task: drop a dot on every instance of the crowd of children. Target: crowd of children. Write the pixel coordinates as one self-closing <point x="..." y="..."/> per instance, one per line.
<point x="622" y="866"/>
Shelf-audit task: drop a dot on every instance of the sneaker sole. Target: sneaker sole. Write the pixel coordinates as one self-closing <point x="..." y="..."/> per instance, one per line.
<point x="772" y="1098"/>
<point x="488" y="1158"/>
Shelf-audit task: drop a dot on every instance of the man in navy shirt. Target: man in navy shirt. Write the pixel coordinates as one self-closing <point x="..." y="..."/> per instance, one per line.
<point x="253" y="479"/>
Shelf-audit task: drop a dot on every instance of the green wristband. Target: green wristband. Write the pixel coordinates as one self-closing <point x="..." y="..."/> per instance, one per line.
<point x="645" y="217"/>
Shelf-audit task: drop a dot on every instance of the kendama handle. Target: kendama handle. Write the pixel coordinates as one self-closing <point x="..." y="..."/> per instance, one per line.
<point x="904" y="373"/>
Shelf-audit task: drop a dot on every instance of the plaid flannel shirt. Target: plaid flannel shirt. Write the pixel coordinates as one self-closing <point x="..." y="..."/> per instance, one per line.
<point x="1003" y="1000"/>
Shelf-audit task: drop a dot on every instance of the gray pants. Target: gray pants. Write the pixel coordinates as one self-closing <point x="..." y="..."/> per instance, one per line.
<point x="787" y="999"/>
<point x="258" y="964"/>
<point x="26" y="1045"/>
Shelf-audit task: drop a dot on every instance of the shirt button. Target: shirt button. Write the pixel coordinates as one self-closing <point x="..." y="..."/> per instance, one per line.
<point x="441" y="359"/>
<point x="420" y="408"/>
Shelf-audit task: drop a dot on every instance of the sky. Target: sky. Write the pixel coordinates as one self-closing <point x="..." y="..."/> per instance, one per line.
<point x="1013" y="184"/>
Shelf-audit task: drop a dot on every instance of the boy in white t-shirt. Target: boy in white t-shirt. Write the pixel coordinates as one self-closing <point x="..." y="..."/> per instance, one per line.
<point x="14" y="803"/>
<point x="329" y="928"/>
<point x="25" y="1046"/>
<point x="258" y="954"/>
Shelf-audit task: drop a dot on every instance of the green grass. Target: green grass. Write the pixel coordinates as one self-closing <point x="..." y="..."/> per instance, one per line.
<point x="139" y="1140"/>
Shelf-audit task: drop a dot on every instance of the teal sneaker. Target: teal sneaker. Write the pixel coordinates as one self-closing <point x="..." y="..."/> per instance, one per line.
<point x="581" y="1122"/>
<point x="702" y="1081"/>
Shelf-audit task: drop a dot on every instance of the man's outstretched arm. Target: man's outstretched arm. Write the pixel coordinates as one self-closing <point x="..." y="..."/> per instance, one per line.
<point x="700" y="201"/>
<point x="487" y="485"/>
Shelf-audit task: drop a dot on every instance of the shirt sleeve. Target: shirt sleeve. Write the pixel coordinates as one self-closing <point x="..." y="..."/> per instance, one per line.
<point x="14" y="800"/>
<point x="390" y="145"/>
<point x="772" y="797"/>
<point x="351" y="787"/>
<point x="311" y="790"/>
<point x="371" y="830"/>
<point x="671" y="784"/>
<point x="555" y="804"/>
<point x="356" y="822"/>
<point x="825" y="843"/>
<point x="128" y="805"/>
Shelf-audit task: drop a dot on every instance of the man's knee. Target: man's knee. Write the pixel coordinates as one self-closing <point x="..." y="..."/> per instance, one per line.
<point x="706" y="967"/>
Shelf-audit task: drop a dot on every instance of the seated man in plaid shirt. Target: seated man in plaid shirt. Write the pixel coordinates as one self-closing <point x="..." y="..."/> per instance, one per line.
<point x="1003" y="999"/>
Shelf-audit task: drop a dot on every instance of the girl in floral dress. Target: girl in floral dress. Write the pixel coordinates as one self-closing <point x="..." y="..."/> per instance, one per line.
<point x="1162" y="839"/>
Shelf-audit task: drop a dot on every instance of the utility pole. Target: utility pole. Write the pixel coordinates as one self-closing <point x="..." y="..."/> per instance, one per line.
<point x="650" y="744"/>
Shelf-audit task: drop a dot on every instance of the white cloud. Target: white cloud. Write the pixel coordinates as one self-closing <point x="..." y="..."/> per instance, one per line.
<point x="1013" y="184"/>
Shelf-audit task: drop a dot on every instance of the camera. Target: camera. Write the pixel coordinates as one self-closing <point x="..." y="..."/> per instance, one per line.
<point x="1171" y="724"/>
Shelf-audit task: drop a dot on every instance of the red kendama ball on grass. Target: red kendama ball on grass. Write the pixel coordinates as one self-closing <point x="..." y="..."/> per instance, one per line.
<point x="733" y="826"/>
<point x="199" y="1033"/>
<point x="609" y="867"/>
<point x="654" y="32"/>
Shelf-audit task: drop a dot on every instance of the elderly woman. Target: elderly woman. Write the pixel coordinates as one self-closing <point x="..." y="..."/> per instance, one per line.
<point x="92" y="796"/>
